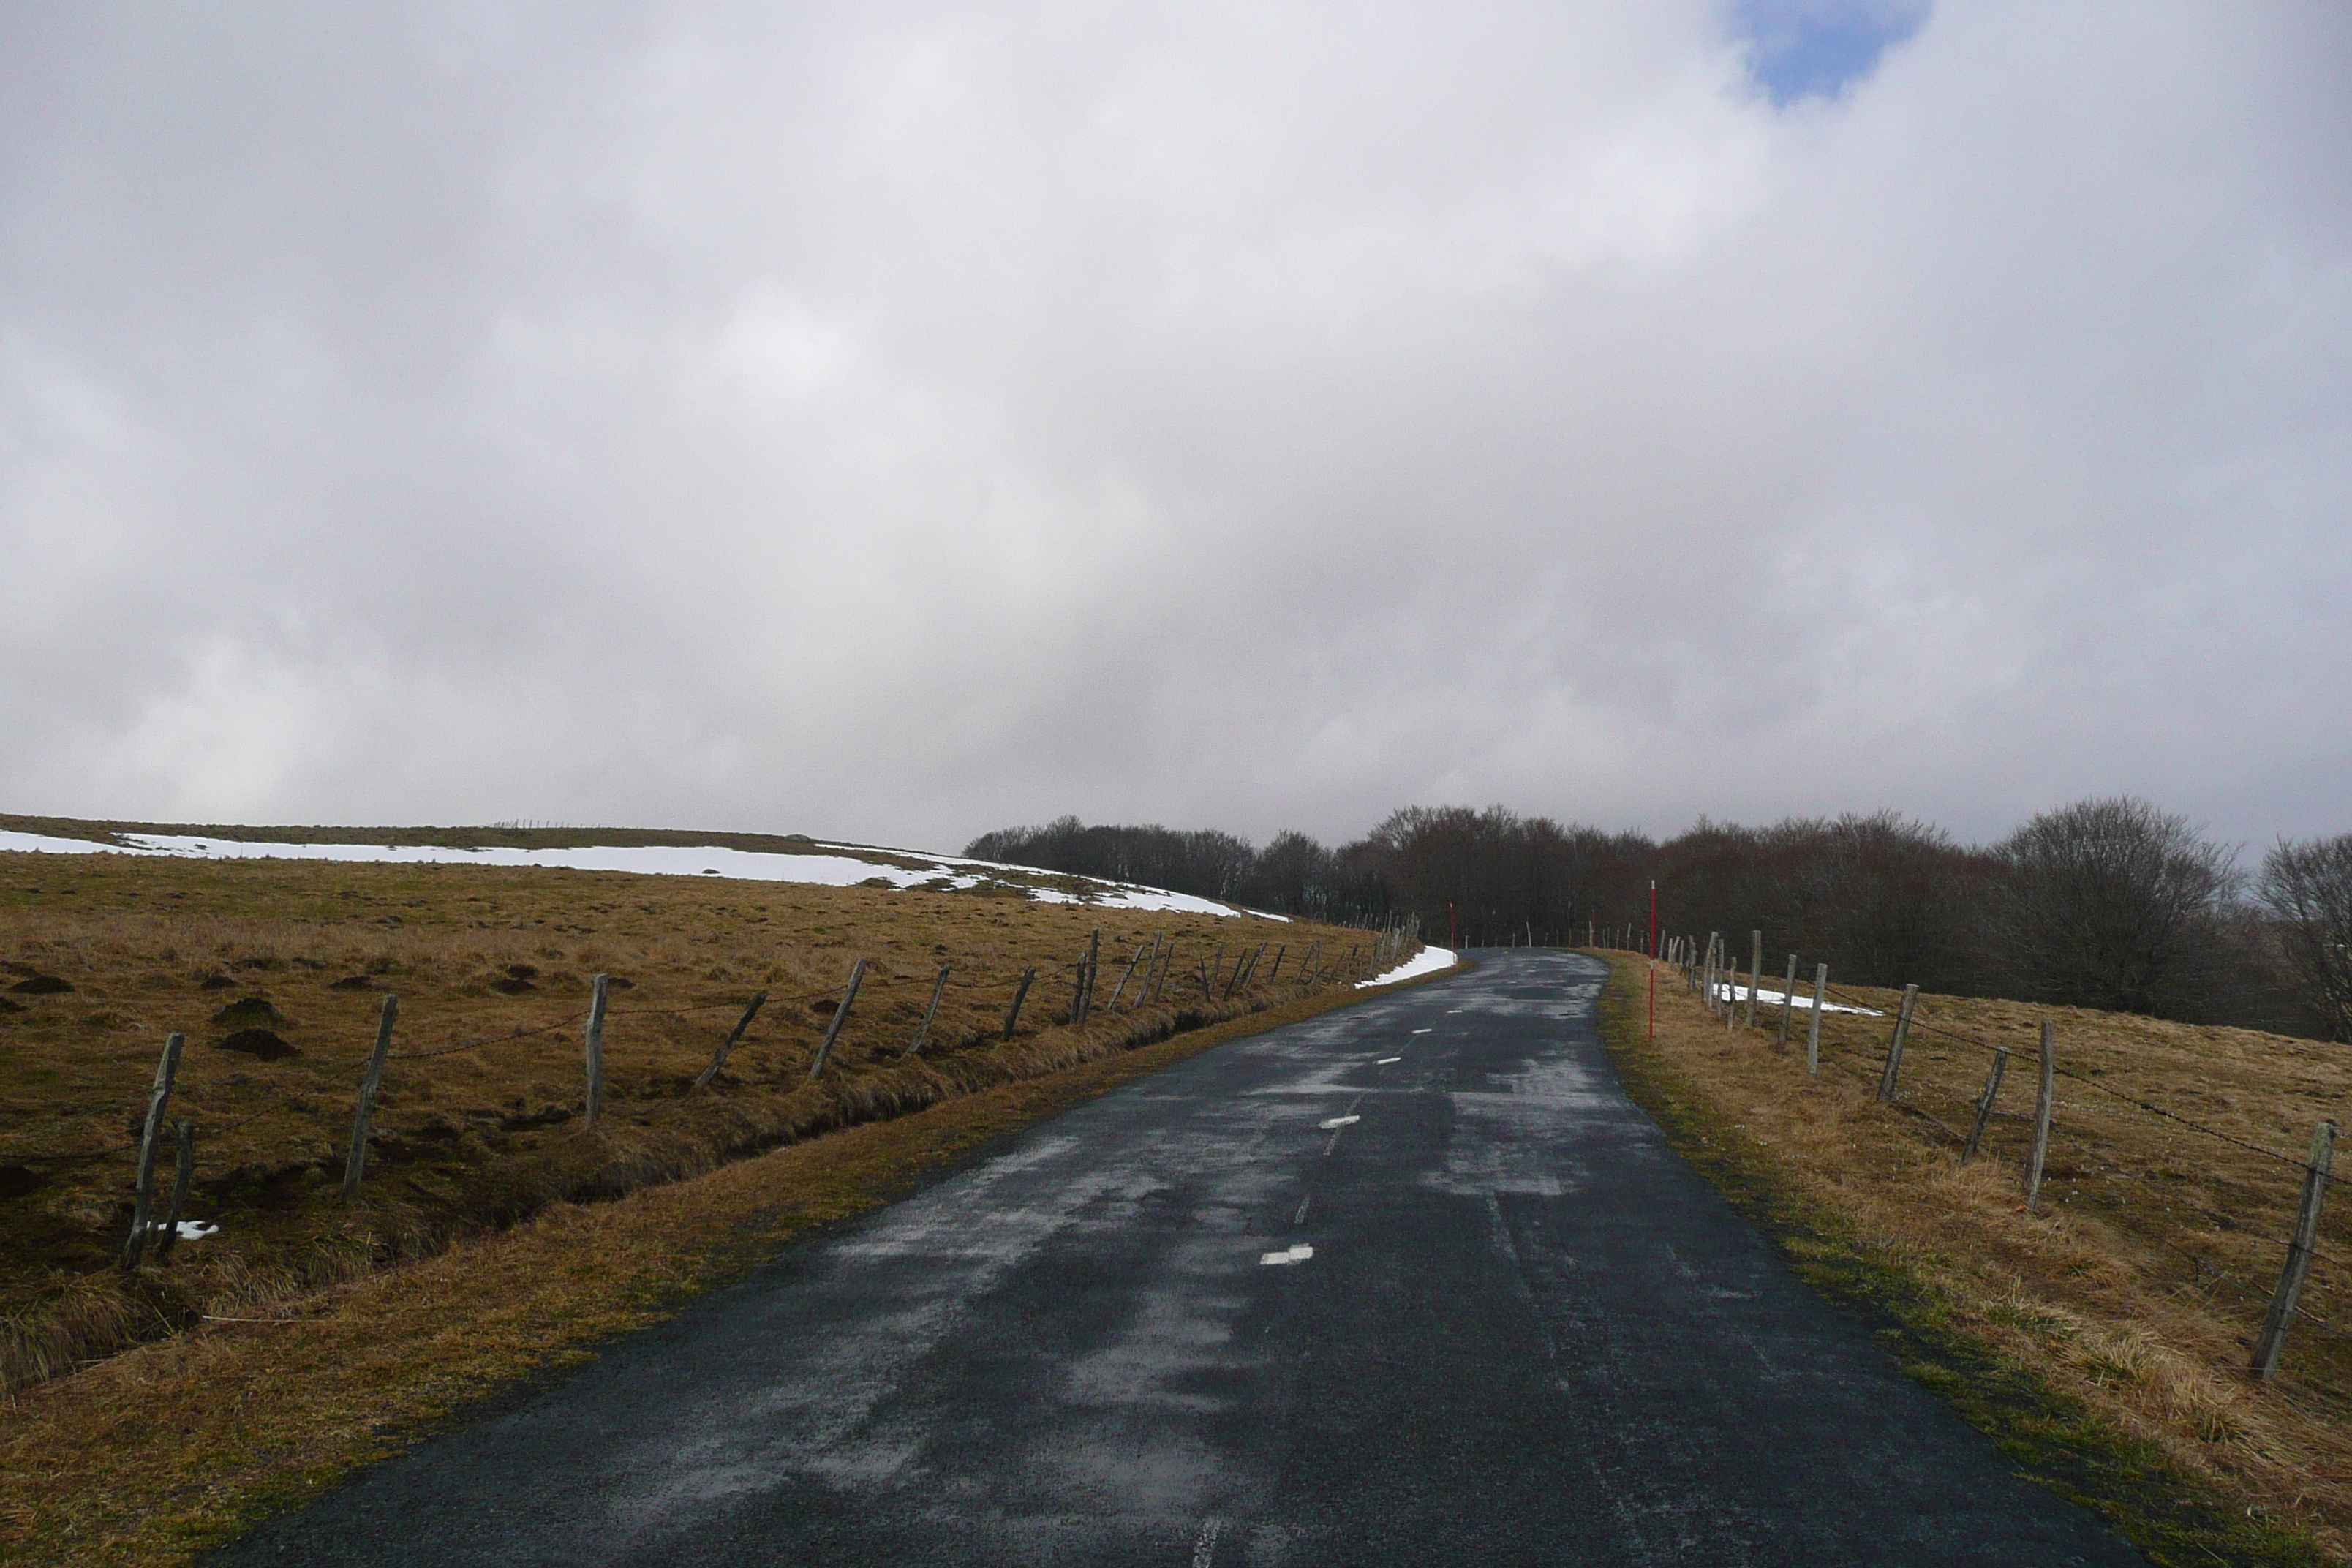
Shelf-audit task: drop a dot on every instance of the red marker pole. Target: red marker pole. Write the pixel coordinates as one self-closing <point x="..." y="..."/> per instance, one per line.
<point x="1654" y="960"/>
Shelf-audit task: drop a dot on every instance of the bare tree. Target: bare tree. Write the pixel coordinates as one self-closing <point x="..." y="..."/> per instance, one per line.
<point x="2115" y="904"/>
<point x="2308" y="887"/>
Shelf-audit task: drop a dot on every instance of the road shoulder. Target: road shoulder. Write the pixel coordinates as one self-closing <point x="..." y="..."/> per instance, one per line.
<point x="2171" y="1516"/>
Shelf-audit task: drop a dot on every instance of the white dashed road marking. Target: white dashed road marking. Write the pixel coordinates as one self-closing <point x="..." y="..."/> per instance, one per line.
<point x="1338" y="1122"/>
<point x="1287" y="1256"/>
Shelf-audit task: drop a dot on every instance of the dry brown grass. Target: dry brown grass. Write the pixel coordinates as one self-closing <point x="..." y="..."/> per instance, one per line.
<point x="2138" y="1287"/>
<point x="477" y="1139"/>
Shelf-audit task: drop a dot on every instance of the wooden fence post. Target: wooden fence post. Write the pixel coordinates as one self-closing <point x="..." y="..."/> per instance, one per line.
<point x="1706" y="979"/>
<point x="184" y="1172"/>
<point x="1273" y="975"/>
<point x="2299" y="1249"/>
<point x="1013" y="1014"/>
<point x="600" y="989"/>
<point x="1984" y="1105"/>
<point x="840" y="1016"/>
<point x="1731" y="995"/>
<point x="1241" y="967"/>
<point x="735" y="1038"/>
<point x="1093" y="966"/>
<point x="1208" y="991"/>
<point x="1755" y="974"/>
<point x="923" y="1029"/>
<point x="143" y="1212"/>
<point x="1893" y="1071"/>
<point x="355" y="1162"/>
<point x="1788" y="1002"/>
<point x="2042" y="1102"/>
<point x="1813" y="1035"/>
<point x="1120" y="989"/>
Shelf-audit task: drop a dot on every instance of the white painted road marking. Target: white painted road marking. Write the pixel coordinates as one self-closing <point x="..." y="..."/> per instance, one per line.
<point x="1421" y="1031"/>
<point x="1204" y="1548"/>
<point x="1301" y="1217"/>
<point x="1299" y="1254"/>
<point x="1338" y="1122"/>
<point x="1385" y="1060"/>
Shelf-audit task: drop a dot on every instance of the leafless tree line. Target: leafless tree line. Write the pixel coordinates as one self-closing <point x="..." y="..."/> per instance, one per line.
<point x="2109" y="903"/>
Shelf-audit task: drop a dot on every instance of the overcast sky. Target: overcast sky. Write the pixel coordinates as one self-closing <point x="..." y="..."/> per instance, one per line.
<point x="895" y="421"/>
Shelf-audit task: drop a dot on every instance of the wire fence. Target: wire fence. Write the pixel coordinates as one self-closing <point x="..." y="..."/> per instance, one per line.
<point x="2116" y="1135"/>
<point x="1153" y="976"/>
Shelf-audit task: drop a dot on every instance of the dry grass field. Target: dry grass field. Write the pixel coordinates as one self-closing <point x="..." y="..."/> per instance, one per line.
<point x="275" y="972"/>
<point x="2132" y="1296"/>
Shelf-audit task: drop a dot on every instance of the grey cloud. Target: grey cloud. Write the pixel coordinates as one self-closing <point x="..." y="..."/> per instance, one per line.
<point x="891" y="421"/>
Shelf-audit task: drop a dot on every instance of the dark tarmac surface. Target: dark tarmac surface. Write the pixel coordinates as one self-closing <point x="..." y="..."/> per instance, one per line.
<point x="1527" y="1332"/>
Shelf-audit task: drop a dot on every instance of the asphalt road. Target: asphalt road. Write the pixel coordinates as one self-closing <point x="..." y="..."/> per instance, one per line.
<point x="1411" y="1282"/>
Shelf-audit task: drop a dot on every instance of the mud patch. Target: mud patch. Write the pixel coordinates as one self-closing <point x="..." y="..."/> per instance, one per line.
<point x="42" y="986"/>
<point x="261" y="1044"/>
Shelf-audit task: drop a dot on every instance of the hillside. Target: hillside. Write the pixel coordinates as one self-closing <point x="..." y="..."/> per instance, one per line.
<point x="275" y="970"/>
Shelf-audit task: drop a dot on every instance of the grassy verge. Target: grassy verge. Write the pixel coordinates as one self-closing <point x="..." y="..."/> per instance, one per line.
<point x="2036" y="1328"/>
<point x="161" y="1451"/>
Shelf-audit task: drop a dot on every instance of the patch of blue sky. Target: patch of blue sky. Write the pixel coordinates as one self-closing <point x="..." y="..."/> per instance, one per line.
<point x="1818" y="49"/>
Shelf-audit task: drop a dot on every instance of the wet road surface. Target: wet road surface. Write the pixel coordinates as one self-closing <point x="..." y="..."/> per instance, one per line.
<point x="1410" y="1283"/>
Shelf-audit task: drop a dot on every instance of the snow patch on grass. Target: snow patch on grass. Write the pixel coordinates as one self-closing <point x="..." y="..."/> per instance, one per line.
<point x="825" y="865"/>
<point x="1428" y="961"/>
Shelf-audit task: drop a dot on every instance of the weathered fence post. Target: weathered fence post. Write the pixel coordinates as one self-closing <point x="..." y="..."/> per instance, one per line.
<point x="1984" y="1105"/>
<point x="184" y="1172"/>
<point x="1242" y="968"/>
<point x="735" y="1038"/>
<point x="2042" y="1102"/>
<point x="1813" y="1035"/>
<point x="840" y="1016"/>
<point x="1788" y="1002"/>
<point x="1755" y="974"/>
<point x="1731" y="997"/>
<point x="594" y="1044"/>
<point x="1013" y="1014"/>
<point x="1706" y="979"/>
<point x="355" y="1162"/>
<point x="1094" y="967"/>
<point x="1273" y="975"/>
<point x="1124" y="975"/>
<point x="923" y="1029"/>
<point x="1888" y="1075"/>
<point x="2299" y="1249"/>
<point x="143" y="1205"/>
